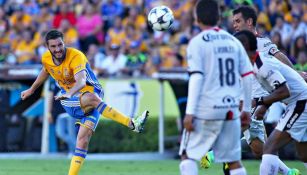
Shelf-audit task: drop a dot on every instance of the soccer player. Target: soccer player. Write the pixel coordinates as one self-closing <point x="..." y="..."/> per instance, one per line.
<point x="244" y="18"/>
<point x="216" y="62"/>
<point x="81" y="94"/>
<point x="287" y="86"/>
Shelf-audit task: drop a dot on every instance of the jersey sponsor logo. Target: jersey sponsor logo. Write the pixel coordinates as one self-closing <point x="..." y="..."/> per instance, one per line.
<point x="228" y="102"/>
<point x="210" y="37"/>
<point x="292" y="120"/>
<point x="267" y="44"/>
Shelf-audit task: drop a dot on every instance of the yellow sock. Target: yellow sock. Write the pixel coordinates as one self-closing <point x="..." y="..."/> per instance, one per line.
<point x="77" y="161"/>
<point x="111" y="113"/>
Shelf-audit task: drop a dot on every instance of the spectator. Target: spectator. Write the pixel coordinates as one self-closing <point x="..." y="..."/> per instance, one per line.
<point x="114" y="63"/>
<point x="65" y="12"/>
<point x="284" y="29"/>
<point x="276" y="39"/>
<point x="298" y="45"/>
<point x="110" y="10"/>
<point x="4" y="23"/>
<point x="31" y="7"/>
<point x="89" y="26"/>
<point x="95" y="57"/>
<point x="70" y="34"/>
<point x="116" y="34"/>
<point x="6" y="55"/>
<point x="301" y="63"/>
<point x="153" y="63"/>
<point x="45" y="15"/>
<point x="20" y="20"/>
<point x="136" y="19"/>
<point x="298" y="29"/>
<point x="136" y="61"/>
<point x="25" y="50"/>
<point x="134" y="35"/>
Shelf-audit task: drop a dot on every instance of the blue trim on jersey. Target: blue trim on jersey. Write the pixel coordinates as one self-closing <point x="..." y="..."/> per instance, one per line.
<point x="91" y="78"/>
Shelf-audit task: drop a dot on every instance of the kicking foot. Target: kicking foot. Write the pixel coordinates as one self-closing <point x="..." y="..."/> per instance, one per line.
<point x="294" y="171"/>
<point x="207" y="160"/>
<point x="139" y="122"/>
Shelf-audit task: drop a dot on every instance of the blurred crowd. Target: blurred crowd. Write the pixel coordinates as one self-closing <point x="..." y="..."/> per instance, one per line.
<point x="117" y="40"/>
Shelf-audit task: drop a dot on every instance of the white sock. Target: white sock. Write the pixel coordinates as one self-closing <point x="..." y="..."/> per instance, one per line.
<point x="238" y="171"/>
<point x="283" y="168"/>
<point x="188" y="167"/>
<point x="269" y="164"/>
<point x="305" y="164"/>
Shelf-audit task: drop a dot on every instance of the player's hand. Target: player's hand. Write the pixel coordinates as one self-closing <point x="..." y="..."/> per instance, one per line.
<point x="260" y="112"/>
<point x="188" y="122"/>
<point x="62" y="97"/>
<point x="245" y="120"/>
<point x="26" y="93"/>
<point x="49" y="117"/>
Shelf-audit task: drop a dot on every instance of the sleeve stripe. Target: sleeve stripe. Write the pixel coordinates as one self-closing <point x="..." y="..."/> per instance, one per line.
<point x="243" y="75"/>
<point x="196" y="72"/>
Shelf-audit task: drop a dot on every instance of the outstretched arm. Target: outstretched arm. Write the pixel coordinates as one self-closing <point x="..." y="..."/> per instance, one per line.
<point x="283" y="58"/>
<point x="41" y="78"/>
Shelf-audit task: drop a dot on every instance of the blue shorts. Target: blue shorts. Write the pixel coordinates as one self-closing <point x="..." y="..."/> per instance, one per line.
<point x="72" y="107"/>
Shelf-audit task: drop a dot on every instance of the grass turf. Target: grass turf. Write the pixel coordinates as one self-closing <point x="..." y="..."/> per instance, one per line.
<point x="165" y="167"/>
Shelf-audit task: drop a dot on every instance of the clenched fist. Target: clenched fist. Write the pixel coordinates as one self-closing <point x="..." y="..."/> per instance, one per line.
<point x="26" y="93"/>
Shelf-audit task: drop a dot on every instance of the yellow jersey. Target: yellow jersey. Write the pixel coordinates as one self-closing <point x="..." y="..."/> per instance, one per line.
<point x="74" y="62"/>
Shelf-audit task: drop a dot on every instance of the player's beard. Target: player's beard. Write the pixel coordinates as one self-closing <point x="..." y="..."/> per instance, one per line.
<point x="59" y="55"/>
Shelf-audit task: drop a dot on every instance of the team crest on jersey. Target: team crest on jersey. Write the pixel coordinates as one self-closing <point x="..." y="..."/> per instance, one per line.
<point x="273" y="51"/>
<point x="228" y="100"/>
<point x="66" y="74"/>
<point x="52" y="71"/>
<point x="79" y="66"/>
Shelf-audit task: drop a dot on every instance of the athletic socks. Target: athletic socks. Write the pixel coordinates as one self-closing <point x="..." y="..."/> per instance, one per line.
<point x="283" y="168"/>
<point x="238" y="171"/>
<point x="113" y="114"/>
<point x="269" y="164"/>
<point x="77" y="161"/>
<point x="188" y="167"/>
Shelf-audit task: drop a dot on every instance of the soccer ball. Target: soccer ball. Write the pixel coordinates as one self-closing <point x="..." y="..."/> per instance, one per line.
<point x="160" y="18"/>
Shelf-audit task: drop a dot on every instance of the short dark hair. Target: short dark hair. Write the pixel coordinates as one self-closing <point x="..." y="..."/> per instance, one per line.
<point x="247" y="38"/>
<point x="247" y="12"/>
<point x="207" y="12"/>
<point x="53" y="34"/>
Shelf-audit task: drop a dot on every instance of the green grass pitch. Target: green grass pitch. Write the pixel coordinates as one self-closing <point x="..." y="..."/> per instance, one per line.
<point x="163" y="167"/>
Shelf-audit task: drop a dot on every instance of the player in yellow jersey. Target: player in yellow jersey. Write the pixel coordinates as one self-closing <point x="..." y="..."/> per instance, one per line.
<point x="81" y="94"/>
